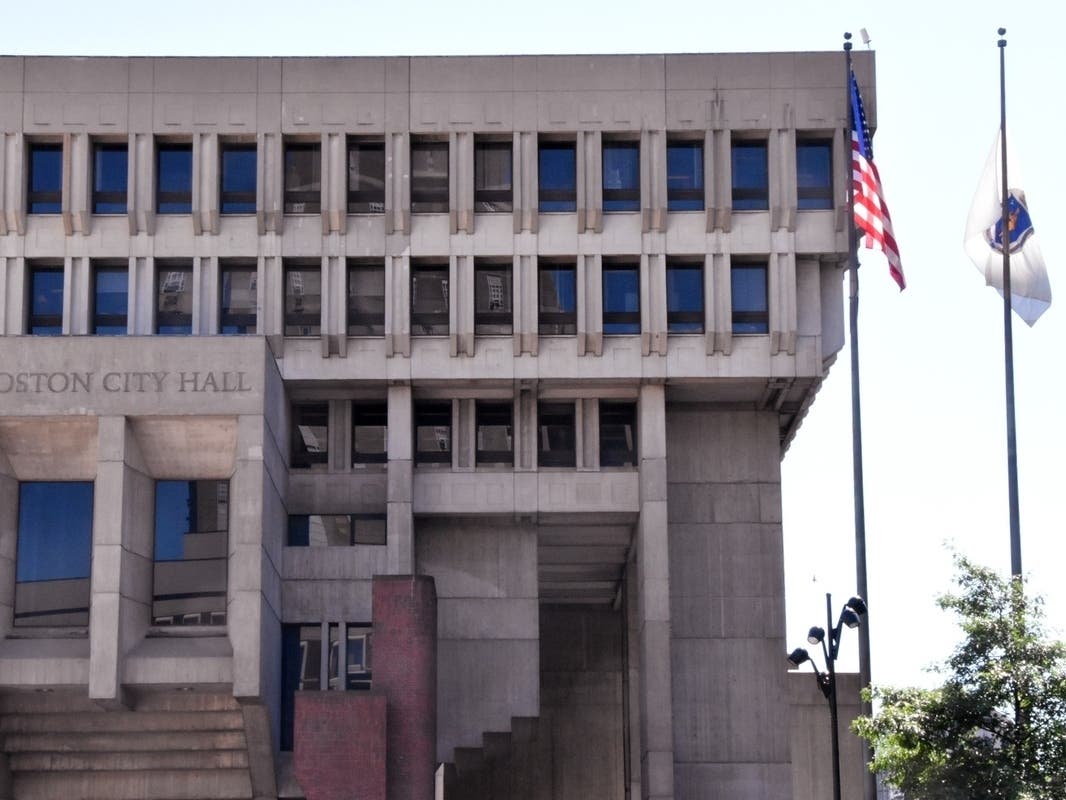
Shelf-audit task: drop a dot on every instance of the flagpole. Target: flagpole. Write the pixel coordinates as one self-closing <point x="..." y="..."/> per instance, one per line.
<point x="1008" y="335"/>
<point x="870" y="780"/>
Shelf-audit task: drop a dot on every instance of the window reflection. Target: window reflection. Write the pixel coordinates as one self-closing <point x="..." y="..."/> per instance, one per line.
<point x="557" y="171"/>
<point x="174" y="299"/>
<point x="751" y="176"/>
<point x="557" y="309"/>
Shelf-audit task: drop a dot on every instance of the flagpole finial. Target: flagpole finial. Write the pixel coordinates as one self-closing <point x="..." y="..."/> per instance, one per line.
<point x="1002" y="42"/>
<point x="847" y="40"/>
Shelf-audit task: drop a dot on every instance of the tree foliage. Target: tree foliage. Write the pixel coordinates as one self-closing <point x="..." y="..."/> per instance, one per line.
<point x="996" y="728"/>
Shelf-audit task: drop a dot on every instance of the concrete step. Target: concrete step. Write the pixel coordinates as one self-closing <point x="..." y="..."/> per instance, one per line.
<point x="47" y="702"/>
<point x="119" y="742"/>
<point x="172" y="759"/>
<point x="119" y="721"/>
<point x="186" y="701"/>
<point x="469" y="760"/>
<point x="218" y="784"/>
<point x="496" y="745"/>
<point x="524" y="729"/>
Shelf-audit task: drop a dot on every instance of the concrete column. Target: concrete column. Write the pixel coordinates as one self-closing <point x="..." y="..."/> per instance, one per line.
<point x="405" y="671"/>
<point x="653" y="601"/>
<point x="399" y="521"/>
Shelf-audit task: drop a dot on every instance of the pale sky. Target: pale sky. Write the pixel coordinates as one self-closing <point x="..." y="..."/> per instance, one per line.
<point x="932" y="357"/>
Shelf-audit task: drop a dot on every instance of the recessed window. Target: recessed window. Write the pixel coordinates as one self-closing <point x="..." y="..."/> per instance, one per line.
<point x="814" y="173"/>
<point x="751" y="176"/>
<point x="366" y="176"/>
<point x="336" y="530"/>
<point x="492" y="299"/>
<point x="45" y="300"/>
<point x="238" y="297"/>
<point x="684" y="176"/>
<point x="370" y="432"/>
<point x="303" y="300"/>
<point x="191" y="547"/>
<point x="429" y="177"/>
<point x="303" y="178"/>
<point x="621" y="298"/>
<point x="173" y="314"/>
<point x="557" y="174"/>
<point x="556" y="439"/>
<point x="684" y="297"/>
<point x="495" y="439"/>
<point x="429" y="299"/>
<point x="237" y="178"/>
<point x="433" y="432"/>
<point x="173" y="178"/>
<point x="493" y="186"/>
<point x="557" y="298"/>
<point x="44" y="185"/>
<point x="621" y="176"/>
<point x="618" y="434"/>
<point x="110" y="178"/>
<point x="366" y="298"/>
<point x="309" y="442"/>
<point x="110" y="300"/>
<point x="750" y="303"/>
<point x="54" y="553"/>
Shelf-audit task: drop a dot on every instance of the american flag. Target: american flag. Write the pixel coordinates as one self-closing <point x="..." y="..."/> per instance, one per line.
<point x="871" y="213"/>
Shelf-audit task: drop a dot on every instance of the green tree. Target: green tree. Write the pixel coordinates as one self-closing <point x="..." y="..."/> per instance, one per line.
<point x="996" y="728"/>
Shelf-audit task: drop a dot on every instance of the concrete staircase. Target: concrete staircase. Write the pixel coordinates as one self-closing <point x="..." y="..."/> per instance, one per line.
<point x="171" y="746"/>
<point x="514" y="765"/>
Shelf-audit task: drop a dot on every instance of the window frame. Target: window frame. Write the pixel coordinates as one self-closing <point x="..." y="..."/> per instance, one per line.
<point x="493" y="322"/>
<point x="621" y="413"/>
<point x="432" y="323"/>
<point x="493" y="200"/>
<point x="50" y="196"/>
<point x="686" y="198"/>
<point x="493" y="414"/>
<point x="757" y="319"/>
<point x="818" y="195"/>
<point x="625" y="322"/>
<point x="752" y="195"/>
<point x="173" y="318"/>
<point x="432" y="414"/>
<point x="556" y="414"/>
<point x="427" y="195"/>
<point x="302" y="201"/>
<point x="245" y="322"/>
<point x="373" y="414"/>
<point x="564" y="196"/>
<point x="362" y="200"/>
<point x="684" y="320"/>
<point x="229" y="196"/>
<point x="39" y="323"/>
<point x="100" y="196"/>
<point x="293" y="319"/>
<point x="625" y="198"/>
<point x="171" y="195"/>
<point x="555" y="320"/>
<point x="299" y="528"/>
<point x="104" y="320"/>
<point x="310" y="414"/>
<point x="364" y="323"/>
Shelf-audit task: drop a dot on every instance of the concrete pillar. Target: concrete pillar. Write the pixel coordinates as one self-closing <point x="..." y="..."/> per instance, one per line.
<point x="653" y="602"/>
<point x="405" y="671"/>
<point x="399" y="522"/>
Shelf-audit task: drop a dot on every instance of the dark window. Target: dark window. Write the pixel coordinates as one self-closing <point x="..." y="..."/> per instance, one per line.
<point x="238" y="296"/>
<point x="750" y="305"/>
<point x="110" y="178"/>
<point x="751" y="176"/>
<point x="370" y="433"/>
<point x="621" y="298"/>
<point x="684" y="297"/>
<point x="191" y="531"/>
<point x="238" y="178"/>
<point x="336" y="530"/>
<point x="814" y="173"/>
<point x="621" y="176"/>
<point x="110" y="300"/>
<point x="366" y="299"/>
<point x="44" y="187"/>
<point x="45" y="301"/>
<point x="173" y="313"/>
<point x="429" y="300"/>
<point x="556" y="439"/>
<point x="557" y="172"/>
<point x="309" y="442"/>
<point x="54" y="553"/>
<point x="433" y="432"/>
<point x="366" y="176"/>
<point x="493" y="187"/>
<point x="174" y="179"/>
<point x="303" y="300"/>
<point x="429" y="177"/>
<point x="495" y="440"/>
<point x="303" y="178"/>
<point x="684" y="176"/>
<point x="492" y="299"/>
<point x="618" y="434"/>
<point x="557" y="308"/>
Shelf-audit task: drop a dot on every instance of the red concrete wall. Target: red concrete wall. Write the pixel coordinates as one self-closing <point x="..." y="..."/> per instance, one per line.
<point x="339" y="745"/>
<point x="405" y="670"/>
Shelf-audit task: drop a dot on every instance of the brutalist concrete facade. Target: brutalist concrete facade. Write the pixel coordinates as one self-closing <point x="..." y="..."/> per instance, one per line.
<point x="602" y="629"/>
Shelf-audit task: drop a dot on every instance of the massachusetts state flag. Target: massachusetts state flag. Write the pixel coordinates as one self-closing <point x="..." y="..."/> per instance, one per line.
<point x="1030" y="291"/>
<point x="871" y="213"/>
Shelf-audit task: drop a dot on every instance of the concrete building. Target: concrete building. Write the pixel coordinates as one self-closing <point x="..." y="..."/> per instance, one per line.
<point x="376" y="427"/>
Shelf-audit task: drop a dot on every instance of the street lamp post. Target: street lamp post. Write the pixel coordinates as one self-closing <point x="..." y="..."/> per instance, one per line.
<point x="850" y="616"/>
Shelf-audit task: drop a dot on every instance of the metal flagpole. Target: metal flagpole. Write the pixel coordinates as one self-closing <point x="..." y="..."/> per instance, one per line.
<point x="870" y="780"/>
<point x="1008" y="336"/>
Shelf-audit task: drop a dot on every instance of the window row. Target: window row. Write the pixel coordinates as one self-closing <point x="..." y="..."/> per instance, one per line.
<point x="238" y="298"/>
<point x="432" y="427"/>
<point x="54" y="553"/>
<point x="493" y="188"/>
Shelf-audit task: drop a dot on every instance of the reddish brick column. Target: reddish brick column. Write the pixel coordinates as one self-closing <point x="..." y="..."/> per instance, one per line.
<point x="339" y="742"/>
<point x="405" y="671"/>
